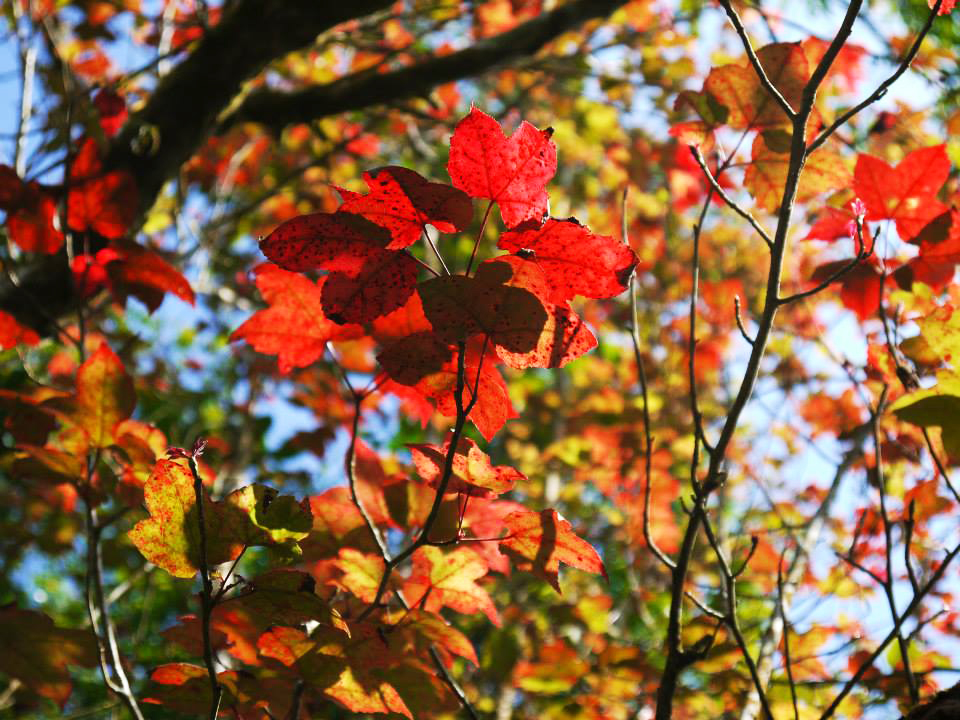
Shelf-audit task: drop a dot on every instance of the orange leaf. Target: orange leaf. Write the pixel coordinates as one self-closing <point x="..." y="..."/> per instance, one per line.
<point x="766" y="175"/>
<point x="294" y="326"/>
<point x="439" y="580"/>
<point x="545" y="540"/>
<point x="105" y="396"/>
<point x="362" y="573"/>
<point x="750" y="106"/>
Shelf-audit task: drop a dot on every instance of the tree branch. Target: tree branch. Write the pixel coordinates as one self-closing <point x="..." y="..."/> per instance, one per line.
<point x="276" y="109"/>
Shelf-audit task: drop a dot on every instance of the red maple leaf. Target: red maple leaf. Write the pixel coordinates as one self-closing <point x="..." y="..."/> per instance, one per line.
<point x="112" y="110"/>
<point x="103" y="202"/>
<point x="294" y="326"/>
<point x="366" y="279"/>
<point x="403" y="202"/>
<point x="859" y="288"/>
<point x="508" y="301"/>
<point x="939" y="254"/>
<point x="512" y="172"/>
<point x="30" y="213"/>
<point x="575" y="261"/>
<point x="13" y="333"/>
<point x="905" y="193"/>
<point x="32" y="225"/>
<point x="833" y="224"/>
<point x="428" y="367"/>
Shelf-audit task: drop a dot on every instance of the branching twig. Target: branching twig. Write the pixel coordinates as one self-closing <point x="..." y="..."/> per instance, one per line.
<point x="786" y="639"/>
<point x="862" y="254"/>
<point x="391" y="561"/>
<point x="853" y="681"/>
<point x="887" y="583"/>
<point x="730" y="615"/>
<point x="733" y="205"/>
<point x="677" y="659"/>
<point x="755" y="61"/>
<point x="642" y="377"/>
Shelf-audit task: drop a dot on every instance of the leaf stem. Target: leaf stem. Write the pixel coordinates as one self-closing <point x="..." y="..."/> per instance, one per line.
<point x="476" y="242"/>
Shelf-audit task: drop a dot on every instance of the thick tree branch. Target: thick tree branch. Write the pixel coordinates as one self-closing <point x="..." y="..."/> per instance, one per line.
<point x="277" y="109"/>
<point x="182" y="112"/>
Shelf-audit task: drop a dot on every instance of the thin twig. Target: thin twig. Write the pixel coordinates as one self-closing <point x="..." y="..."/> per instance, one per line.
<point x="862" y="254"/>
<point x="853" y="681"/>
<point x="642" y="377"/>
<point x="739" y="319"/>
<point x="699" y="435"/>
<point x="704" y="608"/>
<point x="755" y="61"/>
<point x="939" y="463"/>
<point x="887" y="583"/>
<point x="677" y="659"/>
<point x="786" y="639"/>
<point x="715" y="186"/>
<point x="730" y="616"/>
<point x="28" y="63"/>
<point x="433" y="246"/>
<point x="476" y="242"/>
<point x="390" y="561"/>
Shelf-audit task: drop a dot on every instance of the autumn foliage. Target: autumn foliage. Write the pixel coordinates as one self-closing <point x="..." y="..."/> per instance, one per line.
<point x="410" y="377"/>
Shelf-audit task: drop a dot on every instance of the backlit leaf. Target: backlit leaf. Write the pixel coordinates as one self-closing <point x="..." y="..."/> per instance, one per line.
<point x="905" y="193"/>
<point x="738" y="88"/>
<point x="766" y="175"/>
<point x="403" y="202"/>
<point x="438" y="580"/>
<point x="105" y="396"/>
<point x="13" y="333"/>
<point x="545" y="540"/>
<point x="361" y="573"/>
<point x="508" y="301"/>
<point x="513" y="172"/>
<point x="37" y="653"/>
<point x="103" y="202"/>
<point x="574" y="260"/>
<point x="472" y="472"/>
<point x="294" y="326"/>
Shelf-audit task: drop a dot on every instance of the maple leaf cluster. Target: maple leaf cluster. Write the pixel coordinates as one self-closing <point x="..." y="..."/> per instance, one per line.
<point x="513" y="309"/>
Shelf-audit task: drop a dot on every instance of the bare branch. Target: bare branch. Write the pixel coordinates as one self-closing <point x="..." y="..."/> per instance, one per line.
<point x="206" y="596"/>
<point x="882" y="646"/>
<point x="736" y="312"/>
